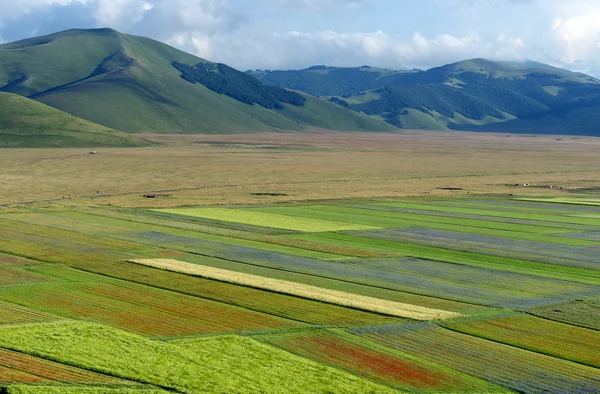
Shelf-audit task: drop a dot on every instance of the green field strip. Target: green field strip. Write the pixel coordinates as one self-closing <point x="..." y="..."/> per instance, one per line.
<point x="574" y="274"/>
<point x="579" y="313"/>
<point x="542" y="253"/>
<point x="538" y="232"/>
<point x="125" y="230"/>
<point x="9" y="260"/>
<point x="539" y="335"/>
<point x="470" y="220"/>
<point x="509" y="228"/>
<point x="39" y="370"/>
<point x="433" y="221"/>
<point x="266" y="219"/>
<point x="137" y="308"/>
<point x="564" y="200"/>
<point x="376" y="362"/>
<point x="508" y="366"/>
<point x="75" y="389"/>
<point x="525" y="207"/>
<point x="326" y="253"/>
<point x="202" y="365"/>
<point x="491" y="212"/>
<point x="11" y="314"/>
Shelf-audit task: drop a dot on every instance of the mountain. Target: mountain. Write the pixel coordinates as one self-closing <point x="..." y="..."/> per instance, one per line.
<point x="138" y="85"/>
<point x="482" y="95"/>
<point x="330" y="81"/>
<point x="26" y="123"/>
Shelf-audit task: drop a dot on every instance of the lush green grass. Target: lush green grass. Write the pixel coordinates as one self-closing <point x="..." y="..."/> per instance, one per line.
<point x="205" y="365"/>
<point x="25" y="123"/>
<point x="23" y="389"/>
<point x="267" y="219"/>
<point x="389" y="219"/>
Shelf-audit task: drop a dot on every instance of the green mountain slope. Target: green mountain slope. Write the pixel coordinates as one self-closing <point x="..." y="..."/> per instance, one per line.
<point x="131" y="84"/>
<point x="26" y="123"/>
<point x="330" y="81"/>
<point x="482" y="95"/>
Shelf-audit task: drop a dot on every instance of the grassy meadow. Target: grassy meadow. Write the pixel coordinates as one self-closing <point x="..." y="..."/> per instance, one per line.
<point x="302" y="263"/>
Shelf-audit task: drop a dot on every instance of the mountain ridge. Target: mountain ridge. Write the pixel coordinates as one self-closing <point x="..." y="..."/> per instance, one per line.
<point x="129" y="83"/>
<point x="475" y="94"/>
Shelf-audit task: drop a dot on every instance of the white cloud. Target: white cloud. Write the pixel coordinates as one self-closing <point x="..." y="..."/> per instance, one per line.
<point x="321" y="5"/>
<point x="561" y="32"/>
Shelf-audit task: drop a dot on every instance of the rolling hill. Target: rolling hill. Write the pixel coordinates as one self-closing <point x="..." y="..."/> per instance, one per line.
<point x="25" y="123"/>
<point x="330" y="81"/>
<point x="477" y="95"/>
<point x="136" y="85"/>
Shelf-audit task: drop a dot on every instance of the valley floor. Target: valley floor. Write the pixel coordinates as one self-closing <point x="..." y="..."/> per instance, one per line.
<point x="296" y="263"/>
<point x="212" y="169"/>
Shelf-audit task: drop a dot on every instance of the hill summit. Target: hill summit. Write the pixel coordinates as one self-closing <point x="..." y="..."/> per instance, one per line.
<point x="138" y="85"/>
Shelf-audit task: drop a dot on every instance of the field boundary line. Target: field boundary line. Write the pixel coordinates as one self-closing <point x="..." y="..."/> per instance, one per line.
<point x="336" y="297"/>
<point x="529" y="313"/>
<point x="525" y="349"/>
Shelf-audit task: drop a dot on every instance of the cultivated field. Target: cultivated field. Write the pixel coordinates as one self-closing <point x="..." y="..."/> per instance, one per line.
<point x="303" y="263"/>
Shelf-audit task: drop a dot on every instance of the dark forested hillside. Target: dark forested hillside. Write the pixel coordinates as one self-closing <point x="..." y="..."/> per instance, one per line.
<point x="223" y="79"/>
<point x="474" y="94"/>
<point x="330" y="81"/>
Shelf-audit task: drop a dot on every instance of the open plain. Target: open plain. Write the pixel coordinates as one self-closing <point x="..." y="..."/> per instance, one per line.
<point x="304" y="258"/>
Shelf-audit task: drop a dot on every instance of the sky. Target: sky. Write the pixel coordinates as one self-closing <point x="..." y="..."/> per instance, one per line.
<point x="291" y="34"/>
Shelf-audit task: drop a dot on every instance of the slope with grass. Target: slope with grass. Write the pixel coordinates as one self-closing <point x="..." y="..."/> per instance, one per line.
<point x="25" y="123"/>
<point x="131" y="84"/>
<point x="474" y="94"/>
<point x="182" y="365"/>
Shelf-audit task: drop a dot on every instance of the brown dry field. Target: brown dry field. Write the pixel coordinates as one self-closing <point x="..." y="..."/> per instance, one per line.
<point x="228" y="169"/>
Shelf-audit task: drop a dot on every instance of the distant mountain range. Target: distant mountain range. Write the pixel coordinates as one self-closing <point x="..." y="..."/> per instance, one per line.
<point x="475" y="94"/>
<point x="98" y="87"/>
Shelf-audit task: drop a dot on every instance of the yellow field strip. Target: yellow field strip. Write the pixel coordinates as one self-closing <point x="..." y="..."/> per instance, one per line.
<point x="300" y="290"/>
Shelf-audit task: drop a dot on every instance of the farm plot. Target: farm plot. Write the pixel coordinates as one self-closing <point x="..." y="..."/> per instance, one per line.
<point x="289" y="307"/>
<point x="10" y="260"/>
<point x="300" y="290"/>
<point x="15" y="275"/>
<point x="59" y="389"/>
<point x="266" y="219"/>
<point x="575" y="274"/>
<point x="60" y="246"/>
<point x="157" y="235"/>
<point x="507" y="366"/>
<point x="542" y="217"/>
<point x="22" y="368"/>
<point x="365" y="358"/>
<point x="584" y="257"/>
<point x="562" y="340"/>
<point x="476" y="285"/>
<point x="396" y="218"/>
<point x="522" y="206"/>
<point x="16" y="314"/>
<point x="183" y="365"/>
<point x="580" y="313"/>
<point x="137" y="308"/>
